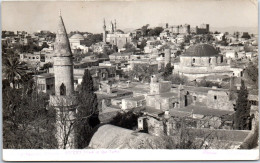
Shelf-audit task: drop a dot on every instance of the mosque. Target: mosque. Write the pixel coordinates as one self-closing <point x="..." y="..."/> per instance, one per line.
<point x="203" y="60"/>
<point x="115" y="36"/>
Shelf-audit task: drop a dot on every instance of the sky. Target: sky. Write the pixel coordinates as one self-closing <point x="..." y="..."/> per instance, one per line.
<point x="87" y="16"/>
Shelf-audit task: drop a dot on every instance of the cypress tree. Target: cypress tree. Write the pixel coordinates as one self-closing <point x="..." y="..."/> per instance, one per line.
<point x="242" y="109"/>
<point x="87" y="112"/>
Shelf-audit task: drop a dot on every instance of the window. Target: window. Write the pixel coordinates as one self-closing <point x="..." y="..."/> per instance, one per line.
<point x="41" y="87"/>
<point x="63" y="90"/>
<point x="209" y="60"/>
<point x="194" y="98"/>
<point x="76" y="82"/>
<point x="193" y="60"/>
<point x="48" y="87"/>
<point x="215" y="97"/>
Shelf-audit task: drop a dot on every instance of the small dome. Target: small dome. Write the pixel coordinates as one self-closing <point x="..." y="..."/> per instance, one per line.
<point x="119" y="31"/>
<point x="77" y="36"/>
<point x="201" y="50"/>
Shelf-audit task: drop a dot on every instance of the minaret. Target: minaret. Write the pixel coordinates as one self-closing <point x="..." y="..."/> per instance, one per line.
<point x="112" y="27"/>
<point x="104" y="32"/>
<point x="115" y="26"/>
<point x="64" y="100"/>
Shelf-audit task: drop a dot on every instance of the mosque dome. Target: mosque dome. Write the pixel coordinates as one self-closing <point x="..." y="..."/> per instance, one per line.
<point x="77" y="36"/>
<point x="119" y="31"/>
<point x="201" y="50"/>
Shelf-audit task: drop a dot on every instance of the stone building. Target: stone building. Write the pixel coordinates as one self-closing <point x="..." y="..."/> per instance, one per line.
<point x="77" y="44"/>
<point x="202" y="60"/>
<point x="115" y="36"/>
<point x="180" y="29"/>
<point x="203" y="29"/>
<point x="64" y="100"/>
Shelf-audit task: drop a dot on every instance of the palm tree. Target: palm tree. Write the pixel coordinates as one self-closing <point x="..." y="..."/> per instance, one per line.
<point x="13" y="70"/>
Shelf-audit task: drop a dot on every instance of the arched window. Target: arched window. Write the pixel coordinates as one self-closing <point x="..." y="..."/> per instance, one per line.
<point x="193" y="60"/>
<point x="209" y="60"/>
<point x="62" y="90"/>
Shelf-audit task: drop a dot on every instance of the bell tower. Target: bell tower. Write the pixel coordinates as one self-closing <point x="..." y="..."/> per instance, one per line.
<point x="64" y="100"/>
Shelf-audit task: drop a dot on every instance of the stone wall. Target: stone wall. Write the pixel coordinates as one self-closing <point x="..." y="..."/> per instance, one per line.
<point x="160" y="87"/>
<point x="155" y="127"/>
<point x="200" y="61"/>
<point x="219" y="100"/>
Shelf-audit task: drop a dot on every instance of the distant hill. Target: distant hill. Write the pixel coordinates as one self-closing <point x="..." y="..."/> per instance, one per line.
<point x="250" y="30"/>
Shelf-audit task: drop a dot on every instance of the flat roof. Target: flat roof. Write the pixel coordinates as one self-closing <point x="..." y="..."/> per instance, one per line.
<point x="204" y="110"/>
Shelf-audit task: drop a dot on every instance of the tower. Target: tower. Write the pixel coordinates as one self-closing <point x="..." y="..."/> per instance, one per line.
<point x="64" y="100"/>
<point x="167" y="56"/>
<point x="181" y="96"/>
<point x="115" y="26"/>
<point x="104" y="32"/>
<point x="112" y="27"/>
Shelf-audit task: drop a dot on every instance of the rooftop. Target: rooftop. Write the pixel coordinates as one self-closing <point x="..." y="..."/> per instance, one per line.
<point x="201" y="50"/>
<point x="201" y="109"/>
<point x="77" y="36"/>
<point x="113" y="137"/>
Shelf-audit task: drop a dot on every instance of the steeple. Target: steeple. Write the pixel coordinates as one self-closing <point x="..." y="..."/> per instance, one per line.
<point x="62" y="45"/>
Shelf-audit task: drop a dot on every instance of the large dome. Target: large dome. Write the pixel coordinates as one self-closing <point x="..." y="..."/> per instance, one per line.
<point x="201" y="50"/>
<point x="77" y="36"/>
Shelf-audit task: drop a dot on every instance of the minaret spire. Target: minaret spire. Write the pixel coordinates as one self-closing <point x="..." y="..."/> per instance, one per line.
<point x="115" y="25"/>
<point x="62" y="45"/>
<point x="104" y="31"/>
<point x="64" y="100"/>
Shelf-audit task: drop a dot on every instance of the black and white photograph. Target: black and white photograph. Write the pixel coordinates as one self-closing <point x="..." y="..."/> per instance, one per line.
<point x="148" y="76"/>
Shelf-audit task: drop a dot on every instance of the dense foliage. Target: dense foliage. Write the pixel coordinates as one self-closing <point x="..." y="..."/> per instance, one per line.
<point x="125" y="120"/>
<point x="26" y="122"/>
<point x="87" y="112"/>
<point x="242" y="108"/>
<point x="142" y="72"/>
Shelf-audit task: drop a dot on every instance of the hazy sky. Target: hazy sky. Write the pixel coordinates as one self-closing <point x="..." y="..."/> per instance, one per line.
<point x="88" y="16"/>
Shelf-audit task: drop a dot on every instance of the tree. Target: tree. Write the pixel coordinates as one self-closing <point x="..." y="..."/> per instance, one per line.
<point x="48" y="65"/>
<point x="13" y="70"/>
<point x="126" y="120"/>
<point x="142" y="71"/>
<point x="129" y="47"/>
<point x="251" y="73"/>
<point x="168" y="70"/>
<point x="26" y="122"/>
<point x="242" y="109"/>
<point x="142" y="45"/>
<point x="44" y="45"/>
<point x="176" y="79"/>
<point x="93" y="38"/>
<point x="87" y="112"/>
<point x="145" y="30"/>
<point x="155" y="31"/>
